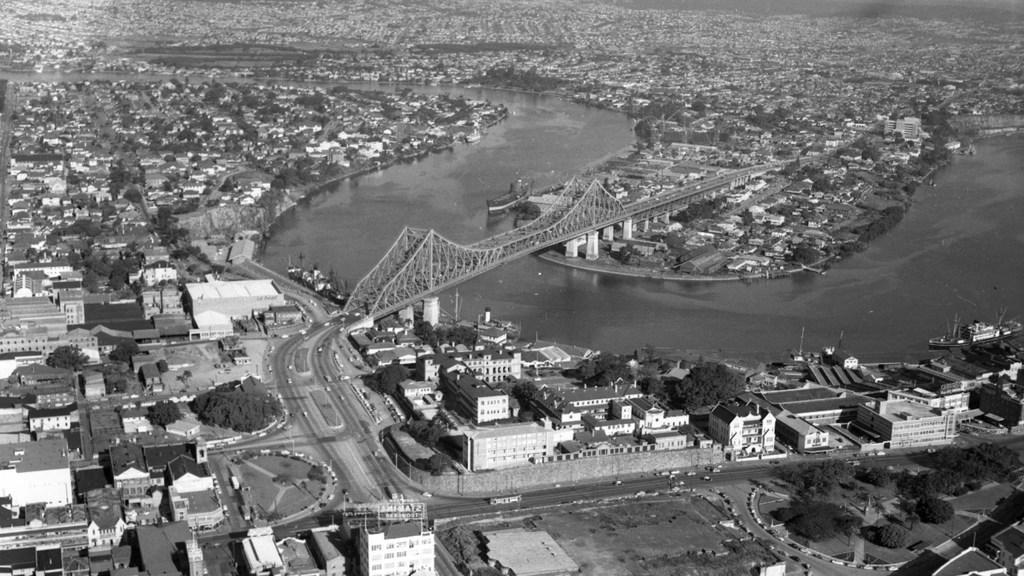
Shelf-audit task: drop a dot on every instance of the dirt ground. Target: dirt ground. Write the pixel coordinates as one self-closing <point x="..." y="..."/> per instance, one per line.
<point x="198" y="367"/>
<point x="673" y="536"/>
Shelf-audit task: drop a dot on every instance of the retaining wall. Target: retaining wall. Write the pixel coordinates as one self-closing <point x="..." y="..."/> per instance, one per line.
<point x="547" y="474"/>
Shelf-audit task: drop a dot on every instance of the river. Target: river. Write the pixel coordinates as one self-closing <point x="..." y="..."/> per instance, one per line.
<point x="958" y="251"/>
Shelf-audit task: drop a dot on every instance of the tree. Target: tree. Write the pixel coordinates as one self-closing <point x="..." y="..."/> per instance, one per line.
<point x="874" y="475"/>
<point x="708" y="383"/>
<point x="804" y="254"/>
<point x="816" y="520"/>
<point x="124" y="351"/>
<point x="524" y="392"/>
<point x="463" y="544"/>
<point x="425" y="432"/>
<point x="387" y="378"/>
<point x="438" y="463"/>
<point x="818" y="479"/>
<point x="70" y="357"/>
<point x="232" y="408"/>
<point x="316" y="474"/>
<point x="164" y="413"/>
<point x="888" y="535"/>
<point x="934" y="510"/>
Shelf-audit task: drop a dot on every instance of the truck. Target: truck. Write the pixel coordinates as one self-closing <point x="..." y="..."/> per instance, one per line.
<point x="498" y="500"/>
<point x="234" y="482"/>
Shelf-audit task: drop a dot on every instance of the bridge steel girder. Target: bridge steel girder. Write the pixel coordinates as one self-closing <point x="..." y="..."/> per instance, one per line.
<point x="422" y="262"/>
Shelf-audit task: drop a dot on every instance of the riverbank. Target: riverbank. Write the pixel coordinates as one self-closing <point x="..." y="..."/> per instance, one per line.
<point x="605" y="265"/>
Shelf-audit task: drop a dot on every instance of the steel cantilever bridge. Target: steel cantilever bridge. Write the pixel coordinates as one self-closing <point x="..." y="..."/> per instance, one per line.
<point x="422" y="262"/>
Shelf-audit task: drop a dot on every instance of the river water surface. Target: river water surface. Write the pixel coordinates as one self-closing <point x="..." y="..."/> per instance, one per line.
<point x="959" y="250"/>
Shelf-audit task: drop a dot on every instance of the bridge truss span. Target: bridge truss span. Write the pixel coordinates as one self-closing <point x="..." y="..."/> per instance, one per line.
<point x="422" y="262"/>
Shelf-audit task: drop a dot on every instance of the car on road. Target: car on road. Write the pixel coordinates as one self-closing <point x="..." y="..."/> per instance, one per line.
<point x="691" y="473"/>
<point x="707" y="478"/>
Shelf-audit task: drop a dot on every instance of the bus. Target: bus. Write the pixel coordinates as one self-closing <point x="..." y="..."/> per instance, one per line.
<point x="495" y="501"/>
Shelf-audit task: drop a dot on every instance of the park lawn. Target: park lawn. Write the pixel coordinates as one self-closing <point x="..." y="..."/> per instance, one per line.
<point x="285" y="466"/>
<point x="264" y="490"/>
<point x="984" y="499"/>
<point x="294" y="493"/>
<point x="665" y="537"/>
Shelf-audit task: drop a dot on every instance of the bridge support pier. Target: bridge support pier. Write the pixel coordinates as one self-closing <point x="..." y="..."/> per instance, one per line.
<point x="593" y="246"/>
<point x="572" y="248"/>
<point x="627" y="229"/>
<point x="609" y="233"/>
<point x="644" y="226"/>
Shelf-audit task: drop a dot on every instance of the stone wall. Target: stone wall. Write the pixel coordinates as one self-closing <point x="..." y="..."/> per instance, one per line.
<point x="548" y="474"/>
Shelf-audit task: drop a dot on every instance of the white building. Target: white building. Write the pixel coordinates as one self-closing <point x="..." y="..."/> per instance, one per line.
<point x="744" y="428"/>
<point x="47" y="419"/>
<point x="261" y="554"/>
<point x="32" y="472"/>
<point x="237" y="299"/>
<point x="909" y="127"/>
<point x="511" y="445"/>
<point x="396" y="550"/>
<point x="902" y="424"/>
<point x="157" y="272"/>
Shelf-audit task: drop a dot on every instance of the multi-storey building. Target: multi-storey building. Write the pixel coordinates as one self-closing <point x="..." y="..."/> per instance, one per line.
<point x="490" y="366"/>
<point x="396" y="550"/>
<point x="909" y="127"/>
<point x="743" y="428"/>
<point x="799" y="434"/>
<point x="476" y="400"/>
<point x="36" y="472"/>
<point x="493" y="366"/>
<point x="106" y="523"/>
<point x="329" y="558"/>
<point x="901" y="424"/>
<point x="1003" y="401"/>
<point x="511" y="445"/>
<point x="567" y="408"/>
<point x="57" y="418"/>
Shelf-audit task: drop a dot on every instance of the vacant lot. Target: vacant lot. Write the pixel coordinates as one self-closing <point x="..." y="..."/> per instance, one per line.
<point x="198" y="367"/>
<point x="663" y="537"/>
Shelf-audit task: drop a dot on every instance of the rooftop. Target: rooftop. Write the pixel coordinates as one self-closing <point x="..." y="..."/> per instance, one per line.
<point x="799" y="394"/>
<point x="157" y="546"/>
<point x="1011" y="539"/>
<point x="236" y="289"/>
<point x="970" y="561"/>
<point x="296" y="556"/>
<point x="49" y="454"/>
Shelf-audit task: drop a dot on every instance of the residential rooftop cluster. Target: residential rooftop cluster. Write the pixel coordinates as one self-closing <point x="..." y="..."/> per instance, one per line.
<point x="117" y="152"/>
